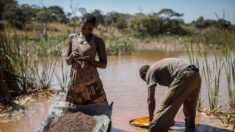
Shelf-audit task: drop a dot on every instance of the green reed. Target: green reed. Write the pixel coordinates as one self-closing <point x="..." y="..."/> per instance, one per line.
<point x="193" y="53"/>
<point x="63" y="77"/>
<point x="31" y="60"/>
<point x="45" y="71"/>
<point x="8" y="74"/>
<point x="210" y="70"/>
<point x="20" y="54"/>
<point x="230" y="76"/>
<point x="212" y="76"/>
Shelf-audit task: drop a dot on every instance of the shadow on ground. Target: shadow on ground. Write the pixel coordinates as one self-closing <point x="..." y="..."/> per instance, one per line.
<point x="117" y="130"/>
<point x="179" y="127"/>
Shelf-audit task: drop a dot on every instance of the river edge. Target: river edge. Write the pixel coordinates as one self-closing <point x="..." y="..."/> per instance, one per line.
<point x="203" y="120"/>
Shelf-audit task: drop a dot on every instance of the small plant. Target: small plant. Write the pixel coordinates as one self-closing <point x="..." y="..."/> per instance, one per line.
<point x="63" y="77"/>
<point x="45" y="71"/>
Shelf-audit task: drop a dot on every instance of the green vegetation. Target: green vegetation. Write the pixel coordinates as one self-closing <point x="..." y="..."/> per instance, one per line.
<point x="119" y="46"/>
<point x="63" y="76"/>
<point x="212" y="77"/>
<point x="212" y="65"/>
<point x="47" y="21"/>
<point x="25" y="66"/>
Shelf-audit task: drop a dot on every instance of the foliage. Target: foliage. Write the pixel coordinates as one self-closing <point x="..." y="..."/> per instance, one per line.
<point x="57" y="14"/>
<point x="116" y="19"/>
<point x="25" y="65"/>
<point x="169" y="13"/>
<point x="99" y="17"/>
<point x="20" y="15"/>
<point x="153" y="26"/>
<point x="205" y="23"/>
<point x="4" y="3"/>
<point x="117" y="46"/>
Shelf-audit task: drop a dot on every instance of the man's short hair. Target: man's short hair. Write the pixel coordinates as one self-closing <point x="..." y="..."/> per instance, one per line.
<point x="143" y="71"/>
<point x="89" y="18"/>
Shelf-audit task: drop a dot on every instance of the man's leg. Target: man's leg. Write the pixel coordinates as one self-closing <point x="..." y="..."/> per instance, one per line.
<point x="190" y="104"/>
<point x="176" y="94"/>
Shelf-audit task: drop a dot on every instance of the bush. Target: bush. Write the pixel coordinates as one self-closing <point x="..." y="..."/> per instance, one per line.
<point x="202" y="23"/>
<point x="153" y="26"/>
<point x="116" y="46"/>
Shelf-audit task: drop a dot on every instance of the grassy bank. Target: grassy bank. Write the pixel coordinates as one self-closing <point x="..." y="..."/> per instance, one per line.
<point x="213" y="64"/>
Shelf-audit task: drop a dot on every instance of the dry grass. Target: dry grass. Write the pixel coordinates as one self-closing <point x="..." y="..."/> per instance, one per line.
<point x="226" y="117"/>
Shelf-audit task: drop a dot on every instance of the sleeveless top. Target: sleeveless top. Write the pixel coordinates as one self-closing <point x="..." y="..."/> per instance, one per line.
<point x="82" y="71"/>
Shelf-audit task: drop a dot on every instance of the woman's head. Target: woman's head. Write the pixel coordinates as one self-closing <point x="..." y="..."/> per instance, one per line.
<point x="87" y="24"/>
<point x="143" y="71"/>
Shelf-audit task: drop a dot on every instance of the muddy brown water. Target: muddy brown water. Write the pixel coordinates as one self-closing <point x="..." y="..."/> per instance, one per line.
<point x="124" y="87"/>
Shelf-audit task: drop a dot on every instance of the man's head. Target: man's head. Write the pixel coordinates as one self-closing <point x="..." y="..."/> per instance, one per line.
<point x="143" y="71"/>
<point x="87" y="24"/>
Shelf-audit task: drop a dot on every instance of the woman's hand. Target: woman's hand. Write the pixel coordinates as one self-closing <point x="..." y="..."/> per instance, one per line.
<point x="75" y="55"/>
<point x="85" y="58"/>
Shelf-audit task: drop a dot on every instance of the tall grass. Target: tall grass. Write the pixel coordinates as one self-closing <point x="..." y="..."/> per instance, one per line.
<point x="221" y="61"/>
<point x="32" y="66"/>
<point x="45" y="71"/>
<point x="210" y="69"/>
<point x="8" y="76"/>
<point x="193" y="53"/>
<point x="19" y="54"/>
<point x="230" y="76"/>
<point x="63" y="76"/>
<point x="212" y="76"/>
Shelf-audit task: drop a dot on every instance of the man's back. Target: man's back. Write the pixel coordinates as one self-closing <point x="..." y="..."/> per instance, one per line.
<point x="164" y="71"/>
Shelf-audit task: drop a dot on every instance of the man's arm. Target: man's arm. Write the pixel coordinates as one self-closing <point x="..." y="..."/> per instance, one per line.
<point x="151" y="101"/>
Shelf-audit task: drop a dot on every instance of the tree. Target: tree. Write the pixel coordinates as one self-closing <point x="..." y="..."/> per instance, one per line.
<point x="57" y="14"/>
<point x="169" y="13"/>
<point x="14" y="15"/>
<point x="4" y="3"/>
<point x="116" y="19"/>
<point x="74" y="16"/>
<point x="44" y="16"/>
<point x="153" y="26"/>
<point x="99" y="17"/>
<point x="18" y="16"/>
<point x="82" y="10"/>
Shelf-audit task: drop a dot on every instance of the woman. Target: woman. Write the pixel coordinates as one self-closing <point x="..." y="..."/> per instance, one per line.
<point x="85" y="86"/>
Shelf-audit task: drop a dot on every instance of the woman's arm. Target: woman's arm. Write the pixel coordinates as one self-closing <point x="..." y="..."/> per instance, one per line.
<point x="100" y="48"/>
<point x="102" y="63"/>
<point x="69" y="56"/>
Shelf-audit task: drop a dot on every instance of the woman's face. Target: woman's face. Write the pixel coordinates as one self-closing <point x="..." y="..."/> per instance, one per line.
<point x="87" y="28"/>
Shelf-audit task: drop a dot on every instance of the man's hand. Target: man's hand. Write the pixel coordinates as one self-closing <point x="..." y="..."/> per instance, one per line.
<point x="151" y="107"/>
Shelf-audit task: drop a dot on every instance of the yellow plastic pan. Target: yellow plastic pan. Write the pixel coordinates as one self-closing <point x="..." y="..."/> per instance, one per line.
<point x="140" y="122"/>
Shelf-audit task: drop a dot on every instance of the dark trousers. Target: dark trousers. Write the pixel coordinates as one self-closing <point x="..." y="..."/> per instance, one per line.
<point x="184" y="90"/>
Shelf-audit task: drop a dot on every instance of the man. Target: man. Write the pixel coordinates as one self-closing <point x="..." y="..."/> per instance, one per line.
<point x="183" y="81"/>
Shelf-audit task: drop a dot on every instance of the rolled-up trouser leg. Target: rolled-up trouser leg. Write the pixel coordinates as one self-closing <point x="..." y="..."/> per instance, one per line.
<point x="179" y="90"/>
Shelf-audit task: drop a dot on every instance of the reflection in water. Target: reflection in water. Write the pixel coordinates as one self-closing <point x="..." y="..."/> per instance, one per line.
<point x="123" y="86"/>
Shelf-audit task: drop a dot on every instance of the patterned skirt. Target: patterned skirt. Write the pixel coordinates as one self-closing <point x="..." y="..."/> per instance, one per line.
<point x="90" y="92"/>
